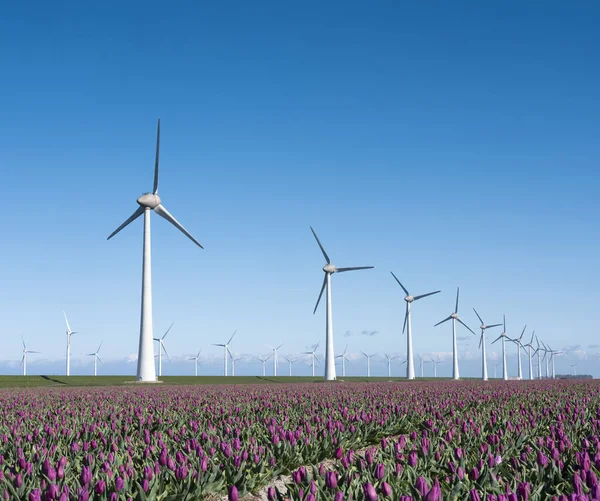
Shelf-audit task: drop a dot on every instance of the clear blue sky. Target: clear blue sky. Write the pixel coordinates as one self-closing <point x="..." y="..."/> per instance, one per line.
<point x="453" y="143"/>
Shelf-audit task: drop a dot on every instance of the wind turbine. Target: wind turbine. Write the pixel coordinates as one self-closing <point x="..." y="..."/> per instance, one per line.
<point x="196" y="360"/>
<point x="539" y="364"/>
<point x="290" y="362"/>
<point x="529" y="347"/>
<point x="504" y="337"/>
<point x="410" y="368"/>
<point x="495" y="365"/>
<point x="275" y="358"/>
<point x="552" y="354"/>
<point x="368" y="362"/>
<point x="520" y="346"/>
<point x="421" y="364"/>
<point x="344" y="360"/>
<point x="547" y="352"/>
<point x="483" y="327"/>
<point x="96" y="358"/>
<point x="455" y="318"/>
<point x="148" y="202"/>
<point x="389" y="359"/>
<point x="312" y="354"/>
<point x="225" y="349"/>
<point x="574" y="367"/>
<point x="264" y="363"/>
<point x="435" y="362"/>
<point x="69" y="334"/>
<point x="233" y="361"/>
<point x="329" y="270"/>
<point x="161" y="348"/>
<point x="24" y="359"/>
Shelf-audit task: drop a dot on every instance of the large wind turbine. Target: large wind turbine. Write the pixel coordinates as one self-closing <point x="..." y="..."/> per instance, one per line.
<point x="344" y="360"/>
<point x="410" y="368"/>
<point x="225" y="348"/>
<point x="196" y="360"/>
<point x="389" y="359"/>
<point x="520" y="346"/>
<point x="96" y="358"/>
<point x="275" y="358"/>
<point x="329" y="270"/>
<point x="69" y="334"/>
<point x="161" y="348"/>
<point x="290" y="362"/>
<point x="455" y="318"/>
<point x="483" y="327"/>
<point x="313" y="357"/>
<point x="529" y="346"/>
<point x="368" y="362"/>
<point x="24" y="359"/>
<point x="148" y="202"/>
<point x="264" y="363"/>
<point x="504" y="337"/>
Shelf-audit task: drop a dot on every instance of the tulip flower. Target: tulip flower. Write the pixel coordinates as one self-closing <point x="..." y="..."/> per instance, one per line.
<point x="232" y="493"/>
<point x="369" y="491"/>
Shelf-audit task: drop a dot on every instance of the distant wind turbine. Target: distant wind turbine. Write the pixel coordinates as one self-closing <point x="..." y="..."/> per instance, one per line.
<point x="529" y="347"/>
<point x="368" y="362"/>
<point x="148" y="202"/>
<point x="547" y="352"/>
<point x="233" y="361"/>
<point x="225" y="348"/>
<point x="495" y="365"/>
<point x="553" y="353"/>
<point x="24" y="359"/>
<point x="455" y="318"/>
<point x="421" y="364"/>
<point x="329" y="270"/>
<point x="196" y="360"/>
<point x="410" y="367"/>
<point x="290" y="362"/>
<point x="520" y="346"/>
<point x="389" y="359"/>
<point x="69" y="334"/>
<point x="264" y="363"/>
<point x="275" y="358"/>
<point x="313" y="357"/>
<point x="574" y="367"/>
<point x="539" y="362"/>
<point x="96" y="358"/>
<point x="503" y="337"/>
<point x="161" y="348"/>
<point x="435" y="362"/>
<point x="344" y="360"/>
<point x="483" y="327"/>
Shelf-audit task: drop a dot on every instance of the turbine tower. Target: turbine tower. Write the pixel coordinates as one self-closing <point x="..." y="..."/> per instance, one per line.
<point x="290" y="362"/>
<point x="520" y="345"/>
<point x="275" y="358"/>
<point x="69" y="334"/>
<point x="539" y="363"/>
<point x="421" y="364"/>
<point x="389" y="359"/>
<point x="529" y="346"/>
<point x="504" y="337"/>
<point x="553" y="353"/>
<point x="344" y="360"/>
<point x="455" y="318"/>
<point x="264" y="363"/>
<point x="96" y="358"/>
<point x="435" y="362"/>
<point x="24" y="359"/>
<point x="547" y="352"/>
<point x="196" y="360"/>
<point x="368" y="362"/>
<point x="410" y="367"/>
<point x="329" y="270"/>
<point x="313" y="357"/>
<point x="147" y="203"/>
<point x="161" y="348"/>
<point x="225" y="349"/>
<point x="483" y="327"/>
<point x="233" y="361"/>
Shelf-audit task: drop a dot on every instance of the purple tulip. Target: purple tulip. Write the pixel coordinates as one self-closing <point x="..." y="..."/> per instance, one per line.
<point x="339" y="496"/>
<point x="379" y="471"/>
<point x="369" y="491"/>
<point x="474" y="474"/>
<point x="386" y="490"/>
<point x="35" y="495"/>
<point x="435" y="493"/>
<point x="542" y="460"/>
<point x="119" y="484"/>
<point x="271" y="494"/>
<point x="339" y="453"/>
<point x="412" y="459"/>
<point x="331" y="479"/>
<point x="474" y="495"/>
<point x="422" y="486"/>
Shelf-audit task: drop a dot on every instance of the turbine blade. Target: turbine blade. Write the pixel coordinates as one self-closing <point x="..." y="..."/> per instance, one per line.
<point x="322" y="250"/>
<point x="522" y="333"/>
<point x="321" y="293"/>
<point x="456" y="308"/>
<point x="497" y="339"/>
<point x="493" y="325"/>
<point x="155" y="189"/>
<point x="425" y="295"/>
<point x="400" y="283"/>
<point x="99" y="360"/>
<point x="161" y="210"/>
<point x="212" y="345"/>
<point x="504" y="322"/>
<point x="67" y="321"/>
<point x="99" y="346"/>
<point x="480" y="340"/>
<point x="342" y="270"/>
<point x="466" y="326"/>
<point x="234" y="333"/>
<point x="165" y="334"/>
<point x="280" y="346"/>
<point x="405" y="319"/>
<point x="532" y="334"/>
<point x="445" y="320"/>
<point x="166" y="352"/>
<point x="23" y="341"/>
<point x="478" y="316"/>
<point x="138" y="212"/>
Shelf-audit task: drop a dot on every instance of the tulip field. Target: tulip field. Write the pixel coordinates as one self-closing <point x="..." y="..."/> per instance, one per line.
<point x="434" y="440"/>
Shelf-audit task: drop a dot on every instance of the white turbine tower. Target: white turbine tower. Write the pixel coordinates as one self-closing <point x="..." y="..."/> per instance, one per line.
<point x="529" y="346"/>
<point x="539" y="362"/>
<point x="410" y="367"/>
<point x="435" y="362"/>
<point x="24" y="359"/>
<point x="389" y="359"/>
<point x="368" y="362"/>
<point x="483" y="327"/>
<point x="313" y="357"/>
<point x="329" y="270"/>
<point x="455" y="318"/>
<point x="196" y="360"/>
<point x="504" y="337"/>
<point x="161" y="348"/>
<point x="547" y="352"/>
<point x="344" y="360"/>
<point x="421" y="364"/>
<point x="96" y="358"/>
<point x="553" y="353"/>
<point x="233" y="361"/>
<point x="264" y="363"/>
<point x="520" y="345"/>
<point x="69" y="334"/>
<point x="225" y="349"/>
<point x="275" y="358"/>
<point x="148" y="202"/>
<point x="290" y="362"/>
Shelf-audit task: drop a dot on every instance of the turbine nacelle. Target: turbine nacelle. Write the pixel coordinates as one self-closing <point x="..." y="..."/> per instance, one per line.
<point x="329" y="268"/>
<point x="149" y="200"/>
<point x="409" y="299"/>
<point x="454" y="316"/>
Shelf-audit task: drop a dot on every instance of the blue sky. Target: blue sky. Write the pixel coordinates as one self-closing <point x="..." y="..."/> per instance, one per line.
<point x="453" y="143"/>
